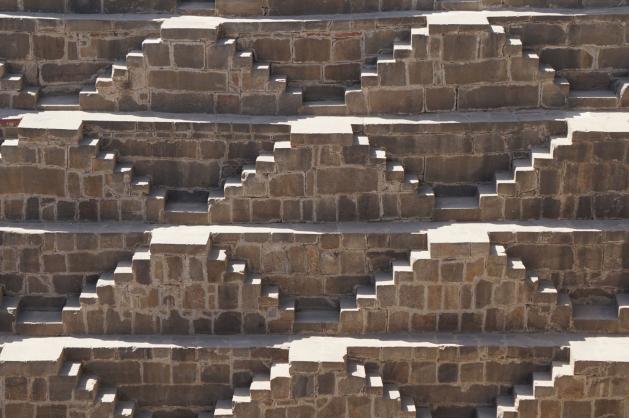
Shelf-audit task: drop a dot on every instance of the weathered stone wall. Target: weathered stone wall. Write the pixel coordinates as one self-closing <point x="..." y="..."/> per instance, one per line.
<point x="458" y="154"/>
<point x="194" y="289"/>
<point x="587" y="265"/>
<point x="279" y="7"/>
<point x="57" y="264"/>
<point x="321" y="52"/>
<point x="89" y="6"/>
<point x="295" y="7"/>
<point x="188" y="155"/>
<point x="69" y="179"/>
<point x="587" y="50"/>
<point x="162" y="378"/>
<point x="62" y="54"/>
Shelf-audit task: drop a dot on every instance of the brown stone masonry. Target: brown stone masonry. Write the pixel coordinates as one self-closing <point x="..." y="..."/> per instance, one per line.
<point x="525" y="170"/>
<point x="41" y="56"/>
<point x="400" y="379"/>
<point x="265" y="282"/>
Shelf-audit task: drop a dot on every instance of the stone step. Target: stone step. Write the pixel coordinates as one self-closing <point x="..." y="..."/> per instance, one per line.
<point x="106" y="401"/>
<point x="317" y="316"/>
<point x="105" y="161"/>
<point x="402" y="50"/>
<point x="369" y="76"/>
<point x="324" y="107"/>
<point x="105" y="288"/>
<point x="546" y="292"/>
<point x="92" y="144"/>
<point x="486" y="412"/>
<point x="71" y="370"/>
<point x="236" y="270"/>
<point x="39" y="322"/>
<point x="70" y="102"/>
<point x="88" y="294"/>
<point x="233" y="187"/>
<point x="522" y="393"/>
<point x="379" y="156"/>
<point x="423" y="413"/>
<point x="374" y="385"/>
<point x="457" y="208"/>
<point x="224" y="408"/>
<point x="241" y="395"/>
<point x="120" y="72"/>
<point x="467" y="5"/>
<point x="125" y="171"/>
<point x="407" y="404"/>
<point x="593" y="99"/>
<point x="26" y="98"/>
<point x="513" y="47"/>
<point x="391" y="392"/>
<point x="72" y="306"/>
<point x="197" y="8"/>
<point x="123" y="273"/>
<point x="141" y="184"/>
<point x="3" y="69"/>
<point x="12" y="82"/>
<point x="561" y="369"/>
<point x="260" y="388"/>
<point x="270" y="297"/>
<point x="243" y="59"/>
<point x="366" y="297"/>
<point x="356" y="369"/>
<point x="383" y="279"/>
<point x="187" y="208"/>
<point x="87" y="388"/>
<point x="543" y="385"/>
<point x="505" y="407"/>
<point x="394" y="171"/>
<point x="516" y="268"/>
<point x="265" y="163"/>
<point x="620" y="86"/>
<point x="595" y="317"/>
<point x="125" y="409"/>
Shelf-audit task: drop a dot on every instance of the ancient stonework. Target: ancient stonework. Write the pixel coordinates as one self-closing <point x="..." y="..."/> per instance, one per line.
<point x="324" y="209"/>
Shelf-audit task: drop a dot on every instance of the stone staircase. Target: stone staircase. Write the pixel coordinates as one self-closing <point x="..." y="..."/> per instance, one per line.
<point x="586" y="317"/>
<point x="470" y="202"/>
<point x="525" y="399"/>
<point x="88" y="394"/>
<point x="14" y="93"/>
<point x="284" y="174"/>
<point x="131" y="82"/>
<point x="616" y="96"/>
<point x="142" y="82"/>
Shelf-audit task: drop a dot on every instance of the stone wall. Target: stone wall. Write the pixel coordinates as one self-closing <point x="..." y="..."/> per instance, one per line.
<point x="62" y="54"/>
<point x="79" y="178"/>
<point x="587" y="265"/>
<point x="57" y="264"/>
<point x="89" y="6"/>
<point x="188" y="155"/>
<point x="243" y="282"/>
<point x="181" y="380"/>
<point x="459" y="154"/>
<point x="587" y="50"/>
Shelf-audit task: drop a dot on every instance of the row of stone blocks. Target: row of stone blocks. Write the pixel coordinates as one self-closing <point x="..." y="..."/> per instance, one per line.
<point x="276" y="7"/>
<point x="195" y="288"/>
<point x="424" y="70"/>
<point x="430" y="72"/>
<point x="313" y="177"/>
<point x="263" y="382"/>
<point x="321" y="56"/>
